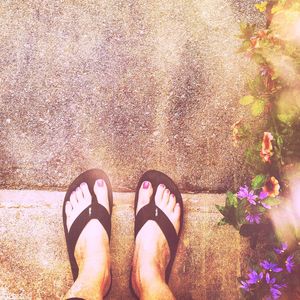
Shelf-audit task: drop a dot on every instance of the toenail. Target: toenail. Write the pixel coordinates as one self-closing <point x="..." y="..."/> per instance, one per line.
<point x="83" y="184"/>
<point x="167" y="191"/>
<point x="146" y="184"/>
<point x="162" y="186"/>
<point x="100" y="182"/>
<point x="172" y="196"/>
<point x="77" y="189"/>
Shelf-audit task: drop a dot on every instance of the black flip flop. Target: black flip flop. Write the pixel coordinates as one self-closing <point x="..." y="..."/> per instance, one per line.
<point x="152" y="212"/>
<point x="93" y="211"/>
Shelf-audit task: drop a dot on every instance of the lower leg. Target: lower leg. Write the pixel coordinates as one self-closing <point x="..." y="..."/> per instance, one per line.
<point x="148" y="276"/>
<point x="94" y="264"/>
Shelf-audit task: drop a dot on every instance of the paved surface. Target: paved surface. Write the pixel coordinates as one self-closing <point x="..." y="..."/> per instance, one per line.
<point x="34" y="263"/>
<point x="122" y="85"/>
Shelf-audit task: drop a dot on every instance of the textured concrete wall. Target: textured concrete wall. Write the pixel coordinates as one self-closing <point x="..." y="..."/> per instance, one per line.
<point x="122" y="85"/>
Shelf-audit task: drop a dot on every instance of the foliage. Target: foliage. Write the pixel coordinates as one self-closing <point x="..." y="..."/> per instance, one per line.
<point x="274" y="97"/>
<point x="274" y="92"/>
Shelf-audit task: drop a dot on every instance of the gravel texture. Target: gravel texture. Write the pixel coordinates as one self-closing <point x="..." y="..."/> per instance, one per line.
<point x="121" y="85"/>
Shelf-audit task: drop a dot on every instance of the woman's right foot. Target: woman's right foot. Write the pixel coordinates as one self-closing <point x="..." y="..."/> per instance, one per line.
<point x="152" y="253"/>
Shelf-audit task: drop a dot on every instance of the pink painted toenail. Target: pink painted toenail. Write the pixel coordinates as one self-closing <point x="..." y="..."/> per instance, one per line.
<point x="146" y="184"/>
<point x="100" y="182"/>
<point x="162" y="186"/>
<point x="167" y="191"/>
<point x="172" y="195"/>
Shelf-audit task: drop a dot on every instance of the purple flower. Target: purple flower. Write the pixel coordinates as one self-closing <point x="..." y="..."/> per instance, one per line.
<point x="263" y="195"/>
<point x="274" y="287"/>
<point x="265" y="205"/>
<point x="245" y="194"/>
<point x="254" y="277"/>
<point x="251" y="198"/>
<point x="245" y="286"/>
<point x="271" y="267"/>
<point x="270" y="280"/>
<point x="253" y="218"/>
<point x="281" y="250"/>
<point x="289" y="263"/>
<point x="275" y="292"/>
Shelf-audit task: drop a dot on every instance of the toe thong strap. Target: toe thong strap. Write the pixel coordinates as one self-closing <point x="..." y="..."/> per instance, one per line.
<point x="145" y="214"/>
<point x="93" y="211"/>
<point x="150" y="212"/>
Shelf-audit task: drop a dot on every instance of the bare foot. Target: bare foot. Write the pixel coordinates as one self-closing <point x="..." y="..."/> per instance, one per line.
<point x="92" y="248"/>
<point x="152" y="253"/>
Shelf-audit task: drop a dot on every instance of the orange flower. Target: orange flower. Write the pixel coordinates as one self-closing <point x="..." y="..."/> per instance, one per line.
<point x="272" y="187"/>
<point x="266" y="150"/>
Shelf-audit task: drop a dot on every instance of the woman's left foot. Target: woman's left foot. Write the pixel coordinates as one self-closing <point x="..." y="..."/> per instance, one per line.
<point x="92" y="247"/>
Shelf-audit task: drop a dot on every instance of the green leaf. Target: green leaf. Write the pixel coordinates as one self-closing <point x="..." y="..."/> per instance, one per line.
<point x="279" y="141"/>
<point x="261" y="6"/>
<point x="258" y="58"/>
<point x="285" y="118"/>
<point x="258" y="107"/>
<point x="256" y="85"/>
<point x="272" y="201"/>
<point x="261" y="209"/>
<point x="231" y="200"/>
<point x="258" y="182"/>
<point x="220" y="208"/>
<point x="247" y="100"/>
<point x="240" y="211"/>
<point x="222" y="222"/>
<point x="247" y="30"/>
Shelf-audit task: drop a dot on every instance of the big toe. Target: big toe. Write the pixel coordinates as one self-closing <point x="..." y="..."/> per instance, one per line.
<point x="100" y="189"/>
<point x="145" y="193"/>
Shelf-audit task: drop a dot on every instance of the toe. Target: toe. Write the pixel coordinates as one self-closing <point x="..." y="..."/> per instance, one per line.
<point x="79" y="194"/>
<point x="159" y="194"/>
<point x="172" y="202"/>
<point x="145" y="193"/>
<point x="165" y="198"/>
<point x="86" y="192"/>
<point x="68" y="208"/>
<point x="73" y="200"/>
<point x="177" y="211"/>
<point x="100" y="190"/>
<point x="176" y="215"/>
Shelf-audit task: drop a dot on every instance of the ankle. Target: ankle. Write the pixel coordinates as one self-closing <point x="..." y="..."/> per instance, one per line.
<point x="90" y="286"/>
<point x="93" y="279"/>
<point x="146" y="274"/>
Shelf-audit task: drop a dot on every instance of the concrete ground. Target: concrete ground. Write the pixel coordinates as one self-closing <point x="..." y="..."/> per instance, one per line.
<point x="127" y="86"/>
<point x="124" y="85"/>
<point x="34" y="262"/>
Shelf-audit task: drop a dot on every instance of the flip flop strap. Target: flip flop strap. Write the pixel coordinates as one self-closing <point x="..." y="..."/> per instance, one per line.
<point x="150" y="212"/>
<point x="93" y="211"/>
